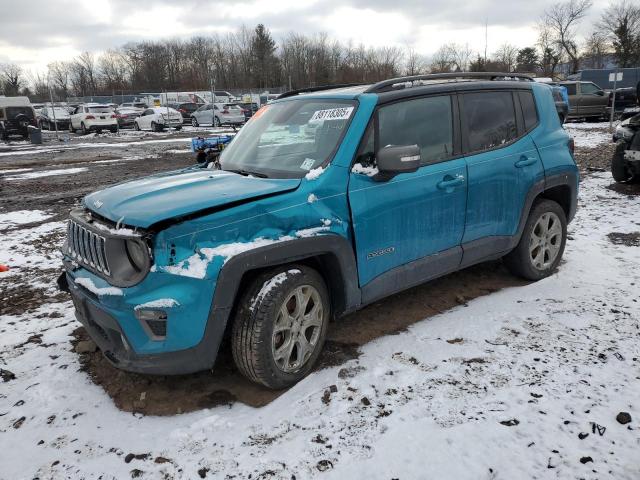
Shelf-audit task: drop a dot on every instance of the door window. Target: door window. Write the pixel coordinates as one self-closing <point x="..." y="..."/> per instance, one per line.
<point x="490" y="118"/>
<point x="426" y="122"/>
<point x="571" y="88"/>
<point x="589" y="88"/>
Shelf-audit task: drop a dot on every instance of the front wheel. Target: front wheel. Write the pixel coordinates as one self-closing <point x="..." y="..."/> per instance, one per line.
<point x="542" y="243"/>
<point x="618" y="165"/>
<point x="83" y="129"/>
<point x="280" y="326"/>
<point x="194" y="122"/>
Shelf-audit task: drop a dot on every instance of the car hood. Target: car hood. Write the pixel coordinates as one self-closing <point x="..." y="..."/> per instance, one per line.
<point x="144" y="202"/>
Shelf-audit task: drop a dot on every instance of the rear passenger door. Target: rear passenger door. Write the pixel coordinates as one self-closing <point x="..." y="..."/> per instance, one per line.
<point x="413" y="215"/>
<point x="502" y="164"/>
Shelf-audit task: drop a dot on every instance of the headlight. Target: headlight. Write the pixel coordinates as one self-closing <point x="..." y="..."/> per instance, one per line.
<point x="136" y="253"/>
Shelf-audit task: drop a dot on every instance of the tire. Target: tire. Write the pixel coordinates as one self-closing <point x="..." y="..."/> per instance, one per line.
<point x="216" y="122"/>
<point x="71" y="129"/>
<point x="618" y="166"/>
<point x="254" y="342"/>
<point x="136" y="127"/>
<point x="547" y="220"/>
<point x="194" y="122"/>
<point x="113" y="129"/>
<point x="155" y="127"/>
<point x="83" y="129"/>
<point x="178" y="128"/>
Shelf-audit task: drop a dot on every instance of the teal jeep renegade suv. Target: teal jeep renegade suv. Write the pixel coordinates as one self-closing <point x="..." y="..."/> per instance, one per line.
<point x="327" y="200"/>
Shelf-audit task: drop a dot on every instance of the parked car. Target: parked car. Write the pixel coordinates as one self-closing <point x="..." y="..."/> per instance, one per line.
<point x="218" y="114"/>
<point x="248" y="109"/>
<point x="625" y="98"/>
<point x="52" y="116"/>
<point x="157" y="119"/>
<point x="586" y="100"/>
<point x="93" y="117"/>
<point x="16" y="115"/>
<point x="185" y="109"/>
<point x="625" y="163"/>
<point x="403" y="181"/>
<point x="126" y="116"/>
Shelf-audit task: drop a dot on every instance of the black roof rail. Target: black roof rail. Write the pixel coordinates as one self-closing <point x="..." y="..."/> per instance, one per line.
<point x="291" y="93"/>
<point x="387" y="84"/>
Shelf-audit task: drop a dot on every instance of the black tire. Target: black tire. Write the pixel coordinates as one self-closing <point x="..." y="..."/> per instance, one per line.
<point x="178" y="128"/>
<point x="155" y="127"/>
<point x="194" y="122"/>
<point x="520" y="262"/>
<point x="113" y="129"/>
<point x="618" y="165"/>
<point x="71" y="129"/>
<point x="253" y="340"/>
<point x="136" y="127"/>
<point x="83" y="129"/>
<point x="216" y="122"/>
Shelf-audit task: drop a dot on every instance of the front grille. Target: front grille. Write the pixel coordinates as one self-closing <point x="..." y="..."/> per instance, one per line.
<point x="87" y="247"/>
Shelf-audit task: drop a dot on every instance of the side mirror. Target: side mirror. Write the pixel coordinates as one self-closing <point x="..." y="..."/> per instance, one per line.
<point x="395" y="159"/>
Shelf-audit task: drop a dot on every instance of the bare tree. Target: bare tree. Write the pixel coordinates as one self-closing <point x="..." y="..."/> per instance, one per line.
<point x="11" y="78"/>
<point x="415" y="63"/>
<point x="620" y="23"/>
<point x="595" y="51"/>
<point x="506" y="57"/>
<point x="58" y="73"/>
<point x="561" y="20"/>
<point x="550" y="52"/>
<point x="441" y="61"/>
<point x="460" y="55"/>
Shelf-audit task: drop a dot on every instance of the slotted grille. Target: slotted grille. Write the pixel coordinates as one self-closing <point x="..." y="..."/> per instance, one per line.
<point x="87" y="247"/>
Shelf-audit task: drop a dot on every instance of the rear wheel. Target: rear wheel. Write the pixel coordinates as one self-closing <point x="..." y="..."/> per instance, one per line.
<point x="194" y="122"/>
<point x="280" y="326"/>
<point x="136" y="126"/>
<point x="155" y="127"/>
<point x="542" y="243"/>
<point x="83" y="129"/>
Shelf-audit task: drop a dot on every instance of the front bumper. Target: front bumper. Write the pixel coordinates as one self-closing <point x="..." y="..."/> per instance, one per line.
<point x="117" y="344"/>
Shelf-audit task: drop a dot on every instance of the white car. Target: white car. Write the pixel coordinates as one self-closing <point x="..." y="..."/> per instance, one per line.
<point x="93" y="117"/>
<point x="158" y="118"/>
<point x="225" y="114"/>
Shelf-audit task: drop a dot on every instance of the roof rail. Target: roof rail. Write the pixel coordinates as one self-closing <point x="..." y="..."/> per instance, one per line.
<point x="401" y="81"/>
<point x="291" y="93"/>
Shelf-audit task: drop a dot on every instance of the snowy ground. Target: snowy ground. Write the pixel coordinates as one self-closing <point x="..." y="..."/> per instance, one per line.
<point x="501" y="388"/>
<point x="523" y="383"/>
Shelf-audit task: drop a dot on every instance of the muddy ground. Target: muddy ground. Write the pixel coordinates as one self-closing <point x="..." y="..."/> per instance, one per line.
<point x="108" y="162"/>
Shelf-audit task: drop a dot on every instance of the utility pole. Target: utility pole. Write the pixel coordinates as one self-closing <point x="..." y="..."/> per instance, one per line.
<point x="213" y="98"/>
<point x="53" y="109"/>
<point x="486" y="39"/>
<point x="613" y="103"/>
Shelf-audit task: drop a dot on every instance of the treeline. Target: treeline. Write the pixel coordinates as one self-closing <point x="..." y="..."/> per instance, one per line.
<point x="252" y="59"/>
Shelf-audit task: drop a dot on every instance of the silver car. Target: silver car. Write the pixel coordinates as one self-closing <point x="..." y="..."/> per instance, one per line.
<point x="218" y="114"/>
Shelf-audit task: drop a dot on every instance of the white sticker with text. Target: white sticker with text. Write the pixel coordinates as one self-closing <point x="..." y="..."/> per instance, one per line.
<point x="342" y="113"/>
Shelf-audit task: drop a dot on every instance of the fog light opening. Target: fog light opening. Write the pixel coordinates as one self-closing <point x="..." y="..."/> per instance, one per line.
<point x="154" y="323"/>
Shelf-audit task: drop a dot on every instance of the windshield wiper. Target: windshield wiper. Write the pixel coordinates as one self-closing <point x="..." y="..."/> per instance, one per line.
<point x="246" y="173"/>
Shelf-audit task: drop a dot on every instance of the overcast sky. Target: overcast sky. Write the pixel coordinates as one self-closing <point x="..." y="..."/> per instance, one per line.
<point x="36" y="32"/>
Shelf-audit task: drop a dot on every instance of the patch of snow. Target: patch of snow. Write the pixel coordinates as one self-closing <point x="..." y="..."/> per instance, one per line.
<point x="89" y="285"/>
<point x="315" y="173"/>
<point x="32" y="248"/>
<point x="312" y="198"/>
<point x="178" y="151"/>
<point x="311" y="232"/>
<point x="46" y="173"/>
<point x="270" y="285"/>
<point x="361" y="169"/>
<point x="116" y="231"/>
<point x="15" y="170"/>
<point x="159" y="303"/>
<point x="558" y="355"/>
<point x="20" y="217"/>
<point x="325" y="221"/>
<point x="588" y="137"/>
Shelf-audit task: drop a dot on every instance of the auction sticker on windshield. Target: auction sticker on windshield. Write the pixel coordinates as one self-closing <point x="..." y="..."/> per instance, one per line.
<point x="342" y="113"/>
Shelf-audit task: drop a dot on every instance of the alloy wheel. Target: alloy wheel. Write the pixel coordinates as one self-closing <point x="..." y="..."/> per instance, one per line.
<point x="545" y="241"/>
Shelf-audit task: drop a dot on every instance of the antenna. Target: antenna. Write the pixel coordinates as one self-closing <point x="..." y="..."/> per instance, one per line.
<point x="486" y="38"/>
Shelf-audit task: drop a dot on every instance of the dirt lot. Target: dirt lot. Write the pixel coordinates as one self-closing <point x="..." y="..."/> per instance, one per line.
<point x="108" y="159"/>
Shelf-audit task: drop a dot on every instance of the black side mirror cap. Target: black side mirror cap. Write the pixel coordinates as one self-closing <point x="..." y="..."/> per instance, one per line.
<point x="395" y="159"/>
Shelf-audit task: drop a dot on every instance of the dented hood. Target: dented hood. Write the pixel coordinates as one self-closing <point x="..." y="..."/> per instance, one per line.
<point x="144" y="202"/>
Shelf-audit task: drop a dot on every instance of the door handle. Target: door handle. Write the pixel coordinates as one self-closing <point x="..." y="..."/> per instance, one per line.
<point x="525" y="161"/>
<point x="449" y="182"/>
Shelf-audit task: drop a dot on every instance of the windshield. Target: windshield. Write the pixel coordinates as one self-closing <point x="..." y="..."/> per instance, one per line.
<point x="288" y="139"/>
<point x="59" y="112"/>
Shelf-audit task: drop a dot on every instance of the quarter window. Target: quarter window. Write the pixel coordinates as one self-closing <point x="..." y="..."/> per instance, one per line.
<point x="491" y="119"/>
<point x="528" y="110"/>
<point x="426" y="122"/>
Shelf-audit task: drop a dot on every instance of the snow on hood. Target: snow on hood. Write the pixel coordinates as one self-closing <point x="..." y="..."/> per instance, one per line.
<point x="144" y="202"/>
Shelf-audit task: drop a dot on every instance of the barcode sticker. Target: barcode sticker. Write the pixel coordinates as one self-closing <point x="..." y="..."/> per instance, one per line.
<point x="342" y="113"/>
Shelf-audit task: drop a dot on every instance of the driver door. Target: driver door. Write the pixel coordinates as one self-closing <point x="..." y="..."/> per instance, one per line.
<point x="409" y="228"/>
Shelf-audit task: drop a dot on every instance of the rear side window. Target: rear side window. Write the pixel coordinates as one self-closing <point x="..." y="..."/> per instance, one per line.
<point x="571" y="88"/>
<point x="426" y="122"/>
<point x="490" y="118"/>
<point x="529" y="111"/>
